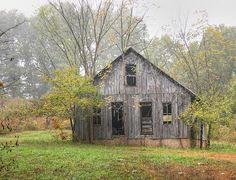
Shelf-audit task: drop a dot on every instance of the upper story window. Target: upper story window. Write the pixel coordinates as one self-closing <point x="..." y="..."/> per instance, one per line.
<point x="130" y="70"/>
<point x="167" y="113"/>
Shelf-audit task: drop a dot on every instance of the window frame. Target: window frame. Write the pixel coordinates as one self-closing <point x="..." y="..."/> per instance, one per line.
<point x="130" y="74"/>
<point x="167" y="116"/>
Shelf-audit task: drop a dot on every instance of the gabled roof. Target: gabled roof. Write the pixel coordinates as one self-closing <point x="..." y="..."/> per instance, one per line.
<point x="104" y="70"/>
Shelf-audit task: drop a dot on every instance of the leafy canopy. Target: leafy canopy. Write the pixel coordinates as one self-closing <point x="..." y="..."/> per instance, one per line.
<point x="214" y="110"/>
<point x="70" y="90"/>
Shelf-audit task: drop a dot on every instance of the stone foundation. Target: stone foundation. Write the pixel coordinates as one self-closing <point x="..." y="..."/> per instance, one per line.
<point x="176" y="143"/>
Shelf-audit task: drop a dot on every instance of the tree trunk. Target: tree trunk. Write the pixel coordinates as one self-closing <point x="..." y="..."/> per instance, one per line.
<point x="72" y="129"/>
<point x="209" y="136"/>
<point x="91" y="130"/>
<point x="77" y="123"/>
<point x="193" y="137"/>
<point x="74" y="122"/>
<point x="88" y="131"/>
<point x="201" y="136"/>
<point x="48" y="122"/>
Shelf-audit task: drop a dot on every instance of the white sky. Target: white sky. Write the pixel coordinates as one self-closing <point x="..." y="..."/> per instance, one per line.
<point x="158" y="12"/>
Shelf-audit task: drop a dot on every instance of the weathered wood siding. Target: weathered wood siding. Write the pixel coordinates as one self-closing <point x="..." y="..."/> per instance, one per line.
<point x="151" y="86"/>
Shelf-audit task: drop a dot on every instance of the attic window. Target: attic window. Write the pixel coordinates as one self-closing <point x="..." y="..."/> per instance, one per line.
<point x="167" y="113"/>
<point x="130" y="74"/>
<point x="97" y="116"/>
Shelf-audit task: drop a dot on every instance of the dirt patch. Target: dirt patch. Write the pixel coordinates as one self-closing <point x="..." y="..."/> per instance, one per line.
<point x="176" y="171"/>
<point x="200" y="171"/>
<point x="216" y="156"/>
<point x="227" y="157"/>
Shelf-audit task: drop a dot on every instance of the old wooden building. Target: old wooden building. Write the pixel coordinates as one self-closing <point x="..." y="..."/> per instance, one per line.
<point x="144" y="105"/>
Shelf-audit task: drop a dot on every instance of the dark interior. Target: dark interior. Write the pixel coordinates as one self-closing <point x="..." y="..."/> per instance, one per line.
<point x="146" y="118"/>
<point x="130" y="74"/>
<point x="117" y="118"/>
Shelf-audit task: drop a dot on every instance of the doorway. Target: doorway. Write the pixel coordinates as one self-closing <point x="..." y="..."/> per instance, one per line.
<point x="146" y="118"/>
<point x="117" y="118"/>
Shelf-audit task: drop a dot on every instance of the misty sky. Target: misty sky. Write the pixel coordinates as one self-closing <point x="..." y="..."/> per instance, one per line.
<point x="158" y="13"/>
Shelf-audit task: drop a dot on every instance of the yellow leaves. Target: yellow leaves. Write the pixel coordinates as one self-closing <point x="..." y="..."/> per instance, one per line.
<point x="215" y="34"/>
<point x="57" y="124"/>
<point x="109" y="66"/>
<point x="112" y="37"/>
<point x="108" y="99"/>
<point x="102" y="13"/>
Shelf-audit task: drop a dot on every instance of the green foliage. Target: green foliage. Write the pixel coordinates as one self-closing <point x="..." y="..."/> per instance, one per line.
<point x="69" y="91"/>
<point x="233" y="93"/>
<point x="203" y="59"/>
<point x="71" y="95"/>
<point x="233" y="97"/>
<point x="209" y="109"/>
<point x="203" y="65"/>
<point x="214" y="112"/>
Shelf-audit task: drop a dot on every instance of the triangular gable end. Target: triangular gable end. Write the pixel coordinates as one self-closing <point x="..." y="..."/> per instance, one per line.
<point x="104" y="70"/>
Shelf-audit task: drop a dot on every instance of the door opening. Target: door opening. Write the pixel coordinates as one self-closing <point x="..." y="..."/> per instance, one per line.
<point x="117" y="118"/>
<point x="146" y="118"/>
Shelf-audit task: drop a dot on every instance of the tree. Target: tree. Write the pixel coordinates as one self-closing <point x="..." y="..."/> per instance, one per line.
<point x="82" y="34"/>
<point x="232" y="89"/>
<point x="88" y="35"/>
<point x="6" y="57"/>
<point x="212" y="111"/>
<point x="69" y="93"/>
<point x="87" y="25"/>
<point x="158" y="52"/>
<point x="204" y="60"/>
<point x="7" y="51"/>
<point x="129" y="30"/>
<point x="19" y="57"/>
<point x="197" y="58"/>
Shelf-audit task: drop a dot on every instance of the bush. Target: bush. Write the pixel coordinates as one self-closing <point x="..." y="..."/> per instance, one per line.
<point x="59" y="126"/>
<point x="30" y="125"/>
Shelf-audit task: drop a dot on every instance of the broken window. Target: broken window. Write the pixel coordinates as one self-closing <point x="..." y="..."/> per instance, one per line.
<point x="167" y="113"/>
<point x="146" y="118"/>
<point x="97" y="116"/>
<point x="117" y="118"/>
<point x="130" y="74"/>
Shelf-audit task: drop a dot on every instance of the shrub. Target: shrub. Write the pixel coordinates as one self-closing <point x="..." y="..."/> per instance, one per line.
<point x="30" y="125"/>
<point x="59" y="126"/>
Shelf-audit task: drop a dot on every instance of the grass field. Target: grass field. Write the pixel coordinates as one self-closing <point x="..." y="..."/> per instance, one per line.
<point x="39" y="156"/>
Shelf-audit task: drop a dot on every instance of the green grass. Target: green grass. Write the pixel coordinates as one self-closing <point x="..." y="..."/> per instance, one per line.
<point x="40" y="156"/>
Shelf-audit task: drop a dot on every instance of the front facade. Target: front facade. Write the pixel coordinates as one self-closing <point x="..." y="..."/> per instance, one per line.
<point x="144" y="105"/>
